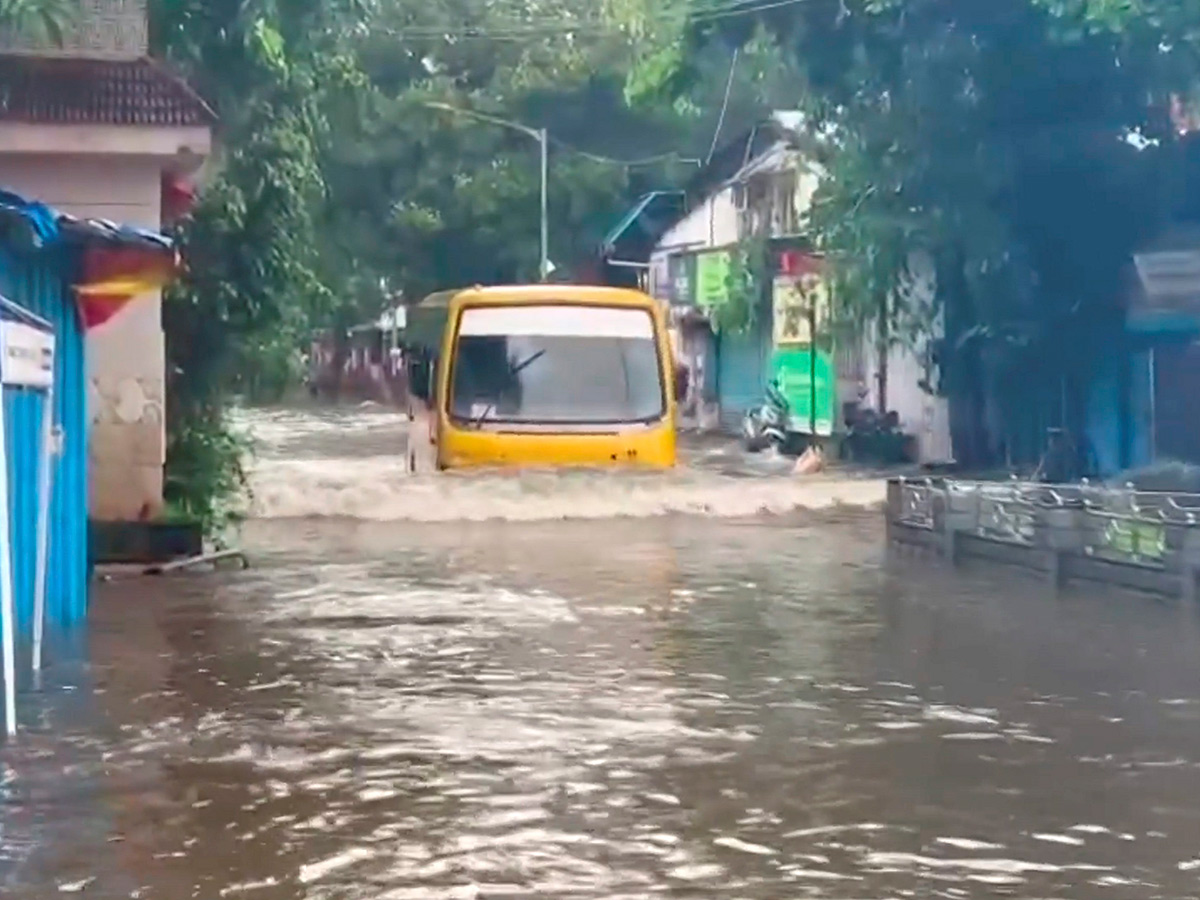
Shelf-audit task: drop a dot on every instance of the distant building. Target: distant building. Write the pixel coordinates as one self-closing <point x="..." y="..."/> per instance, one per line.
<point x="368" y="363"/>
<point x="760" y="186"/>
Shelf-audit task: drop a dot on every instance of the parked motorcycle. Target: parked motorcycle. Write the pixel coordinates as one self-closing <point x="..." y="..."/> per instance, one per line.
<point x="872" y="437"/>
<point x="766" y="425"/>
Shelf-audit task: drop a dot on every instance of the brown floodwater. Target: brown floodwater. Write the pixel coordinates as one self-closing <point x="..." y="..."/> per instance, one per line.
<point x="685" y="706"/>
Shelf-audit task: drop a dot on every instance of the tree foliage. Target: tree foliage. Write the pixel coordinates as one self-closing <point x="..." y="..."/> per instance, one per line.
<point x="340" y="185"/>
<point x="747" y="287"/>
<point x="252" y="277"/>
<point x="40" y="21"/>
<point x="429" y="199"/>
<point x="1022" y="149"/>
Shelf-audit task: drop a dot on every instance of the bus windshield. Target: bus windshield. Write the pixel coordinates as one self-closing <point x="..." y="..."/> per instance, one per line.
<point x="556" y="364"/>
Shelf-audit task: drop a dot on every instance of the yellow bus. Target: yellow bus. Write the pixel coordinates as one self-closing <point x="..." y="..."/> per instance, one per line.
<point x="545" y="375"/>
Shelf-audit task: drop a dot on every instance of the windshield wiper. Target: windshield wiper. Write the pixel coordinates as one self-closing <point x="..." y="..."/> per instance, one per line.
<point x="527" y="362"/>
<point x="513" y="370"/>
<point x="478" y="420"/>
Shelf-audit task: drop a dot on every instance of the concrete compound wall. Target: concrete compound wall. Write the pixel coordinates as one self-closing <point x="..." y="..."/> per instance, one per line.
<point x="104" y="29"/>
<point x="126" y="355"/>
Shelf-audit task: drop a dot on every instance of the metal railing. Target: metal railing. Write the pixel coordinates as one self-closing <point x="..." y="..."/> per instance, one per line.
<point x="1120" y="524"/>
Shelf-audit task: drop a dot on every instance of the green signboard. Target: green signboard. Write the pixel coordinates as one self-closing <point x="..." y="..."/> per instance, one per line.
<point x="681" y="276"/>
<point x="712" y="278"/>
<point x="1136" y="540"/>
<point x="792" y="368"/>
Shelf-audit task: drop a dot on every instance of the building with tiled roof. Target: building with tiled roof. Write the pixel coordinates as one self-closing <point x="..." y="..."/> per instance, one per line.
<point x="98" y="130"/>
<point x="69" y="91"/>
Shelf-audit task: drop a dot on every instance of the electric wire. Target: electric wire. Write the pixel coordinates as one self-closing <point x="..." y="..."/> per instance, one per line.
<point x="533" y="29"/>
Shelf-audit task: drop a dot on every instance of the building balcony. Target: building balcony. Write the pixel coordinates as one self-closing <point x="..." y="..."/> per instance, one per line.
<point x="1166" y="295"/>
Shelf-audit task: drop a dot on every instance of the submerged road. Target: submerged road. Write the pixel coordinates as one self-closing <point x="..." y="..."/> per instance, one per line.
<point x="692" y="706"/>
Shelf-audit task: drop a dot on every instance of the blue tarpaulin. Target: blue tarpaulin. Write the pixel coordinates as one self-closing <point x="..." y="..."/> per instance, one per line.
<point x="47" y="226"/>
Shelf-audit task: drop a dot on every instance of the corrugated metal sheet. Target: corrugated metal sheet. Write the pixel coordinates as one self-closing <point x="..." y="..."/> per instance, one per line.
<point x="741" y="373"/>
<point x="1141" y="410"/>
<point x="35" y="282"/>
<point x="1170" y="279"/>
<point x="1104" y="414"/>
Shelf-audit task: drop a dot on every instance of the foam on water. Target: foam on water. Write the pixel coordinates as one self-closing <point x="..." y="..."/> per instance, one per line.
<point x="352" y="464"/>
<point x="379" y="490"/>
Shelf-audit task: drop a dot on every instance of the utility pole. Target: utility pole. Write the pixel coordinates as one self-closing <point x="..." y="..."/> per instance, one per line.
<point x="812" y="371"/>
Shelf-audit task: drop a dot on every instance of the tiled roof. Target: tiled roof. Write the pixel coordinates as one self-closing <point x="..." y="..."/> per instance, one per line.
<point x="44" y="90"/>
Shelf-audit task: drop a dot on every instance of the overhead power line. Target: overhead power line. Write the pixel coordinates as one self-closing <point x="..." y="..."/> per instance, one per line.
<point x="724" y="106"/>
<point x="640" y="162"/>
<point x="552" y="27"/>
<point x="657" y="159"/>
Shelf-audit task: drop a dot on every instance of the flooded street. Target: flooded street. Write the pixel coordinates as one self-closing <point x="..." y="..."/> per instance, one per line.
<point x="352" y="465"/>
<point x="481" y="687"/>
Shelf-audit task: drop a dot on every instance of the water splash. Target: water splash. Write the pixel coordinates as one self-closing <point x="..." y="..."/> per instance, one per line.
<point x="351" y="464"/>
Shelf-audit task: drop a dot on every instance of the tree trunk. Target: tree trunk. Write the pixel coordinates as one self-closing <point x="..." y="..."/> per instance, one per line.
<point x="883" y="341"/>
<point x="962" y="365"/>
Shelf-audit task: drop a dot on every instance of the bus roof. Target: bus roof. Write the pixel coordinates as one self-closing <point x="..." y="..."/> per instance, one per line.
<point x="568" y="294"/>
<point x="439" y="299"/>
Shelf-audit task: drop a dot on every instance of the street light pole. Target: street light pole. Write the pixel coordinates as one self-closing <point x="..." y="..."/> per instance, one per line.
<point x="542" y="136"/>
<point x="544" y="265"/>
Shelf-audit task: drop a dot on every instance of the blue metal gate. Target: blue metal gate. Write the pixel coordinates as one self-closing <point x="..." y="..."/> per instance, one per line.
<point x="741" y="372"/>
<point x="36" y="282"/>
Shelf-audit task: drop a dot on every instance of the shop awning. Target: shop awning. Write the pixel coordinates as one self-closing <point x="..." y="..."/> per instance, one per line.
<point x="651" y="215"/>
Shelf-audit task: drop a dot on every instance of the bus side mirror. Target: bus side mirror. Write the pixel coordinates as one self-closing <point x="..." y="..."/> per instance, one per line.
<point x="681" y="383"/>
<point x="420" y="381"/>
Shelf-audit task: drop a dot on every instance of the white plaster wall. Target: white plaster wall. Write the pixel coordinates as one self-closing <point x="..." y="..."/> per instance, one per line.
<point x="925" y="415"/>
<point x="807" y="182"/>
<point x="178" y="149"/>
<point x="126" y="355"/>
<point x="712" y="223"/>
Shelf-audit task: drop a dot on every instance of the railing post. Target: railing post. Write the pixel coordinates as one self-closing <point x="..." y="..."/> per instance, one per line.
<point x="1055" y="571"/>
<point x="892" y="505"/>
<point x="1188" y="589"/>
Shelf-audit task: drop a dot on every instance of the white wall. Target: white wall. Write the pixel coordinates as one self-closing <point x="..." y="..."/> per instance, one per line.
<point x="126" y="355"/>
<point x="712" y="223"/>
<point x="924" y="415"/>
<point x="806" y="186"/>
